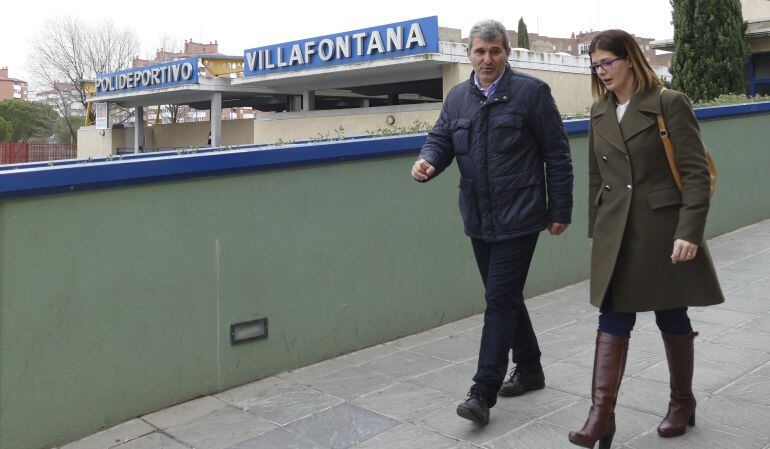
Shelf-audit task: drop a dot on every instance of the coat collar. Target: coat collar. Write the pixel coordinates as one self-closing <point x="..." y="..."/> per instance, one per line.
<point x="501" y="91"/>
<point x="638" y="115"/>
<point x="636" y="118"/>
<point x="605" y="122"/>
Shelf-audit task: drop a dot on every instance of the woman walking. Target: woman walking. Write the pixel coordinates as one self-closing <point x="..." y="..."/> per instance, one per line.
<point x="648" y="250"/>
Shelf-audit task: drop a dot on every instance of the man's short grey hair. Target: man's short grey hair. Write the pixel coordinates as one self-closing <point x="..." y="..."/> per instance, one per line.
<point x="489" y="30"/>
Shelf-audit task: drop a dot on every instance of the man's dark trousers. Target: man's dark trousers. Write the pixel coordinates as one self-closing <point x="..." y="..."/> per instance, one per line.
<point x="503" y="266"/>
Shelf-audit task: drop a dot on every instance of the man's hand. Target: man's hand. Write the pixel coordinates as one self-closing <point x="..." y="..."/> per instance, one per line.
<point x="422" y="170"/>
<point x="557" y="228"/>
<point x="683" y="251"/>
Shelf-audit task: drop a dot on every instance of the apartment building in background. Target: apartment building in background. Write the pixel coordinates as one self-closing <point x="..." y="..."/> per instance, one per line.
<point x="64" y="98"/>
<point x="578" y="43"/>
<point x="191" y="49"/>
<point x="11" y="88"/>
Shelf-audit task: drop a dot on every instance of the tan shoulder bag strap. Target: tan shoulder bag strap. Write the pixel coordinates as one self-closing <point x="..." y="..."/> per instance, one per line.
<point x="669" y="151"/>
<point x="672" y="161"/>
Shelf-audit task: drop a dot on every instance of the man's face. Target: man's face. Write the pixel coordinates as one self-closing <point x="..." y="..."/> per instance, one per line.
<point x="488" y="59"/>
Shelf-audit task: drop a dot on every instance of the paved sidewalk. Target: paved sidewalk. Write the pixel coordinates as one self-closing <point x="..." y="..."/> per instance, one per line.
<point x="403" y="394"/>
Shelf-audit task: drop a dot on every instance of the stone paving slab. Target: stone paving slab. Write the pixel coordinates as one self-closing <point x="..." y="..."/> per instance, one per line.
<point x="390" y="401"/>
<point x="350" y="383"/>
<point x="156" y="440"/>
<point x="763" y="371"/>
<point x="407" y="436"/>
<point x="451" y="349"/>
<point x="279" y="438"/>
<point x="452" y="380"/>
<point x="750" y="388"/>
<point x="114" y="436"/>
<point x="734" y="416"/>
<point x="220" y="429"/>
<point x="342" y="426"/>
<point x="402" y="394"/>
<point x="446" y="422"/>
<point x="545" y="402"/>
<point x="185" y="412"/>
<point x="296" y="403"/>
<point x="405" y="364"/>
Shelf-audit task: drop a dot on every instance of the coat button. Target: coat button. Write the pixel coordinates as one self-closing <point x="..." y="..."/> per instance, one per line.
<point x="607" y="188"/>
<point x="628" y="187"/>
<point x="604" y="158"/>
<point x="505" y="97"/>
<point x="626" y="159"/>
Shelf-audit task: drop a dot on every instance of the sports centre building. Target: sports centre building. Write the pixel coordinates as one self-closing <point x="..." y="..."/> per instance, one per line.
<point x="350" y="83"/>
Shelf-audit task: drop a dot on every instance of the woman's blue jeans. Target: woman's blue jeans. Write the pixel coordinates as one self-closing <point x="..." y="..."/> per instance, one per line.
<point x="670" y="321"/>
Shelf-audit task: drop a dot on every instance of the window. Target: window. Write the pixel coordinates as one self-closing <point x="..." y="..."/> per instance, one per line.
<point x="759" y="74"/>
<point x="762" y="66"/>
<point x="583" y="48"/>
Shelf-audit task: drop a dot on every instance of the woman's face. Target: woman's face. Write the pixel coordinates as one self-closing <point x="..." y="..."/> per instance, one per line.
<point x="614" y="72"/>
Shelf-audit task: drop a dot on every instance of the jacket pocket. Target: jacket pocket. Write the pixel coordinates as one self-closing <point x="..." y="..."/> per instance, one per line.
<point x="501" y="184"/>
<point x="469" y="208"/>
<point x="519" y="200"/>
<point x="507" y="131"/>
<point x="670" y="196"/>
<point x="598" y="198"/>
<point x="461" y="135"/>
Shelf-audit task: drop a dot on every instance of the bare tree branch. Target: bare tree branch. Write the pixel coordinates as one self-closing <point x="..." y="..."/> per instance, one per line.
<point x="67" y="50"/>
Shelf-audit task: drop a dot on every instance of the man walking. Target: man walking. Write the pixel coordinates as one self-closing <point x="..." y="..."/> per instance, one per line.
<point x="506" y="133"/>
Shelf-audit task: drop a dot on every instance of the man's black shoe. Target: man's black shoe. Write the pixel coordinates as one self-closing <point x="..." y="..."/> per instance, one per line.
<point x="475" y="409"/>
<point x="522" y="380"/>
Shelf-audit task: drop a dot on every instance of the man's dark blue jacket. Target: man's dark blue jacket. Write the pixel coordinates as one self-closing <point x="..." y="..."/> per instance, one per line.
<point x="511" y="148"/>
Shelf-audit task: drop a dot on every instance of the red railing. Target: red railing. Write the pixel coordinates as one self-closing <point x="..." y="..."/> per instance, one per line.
<point x="18" y="152"/>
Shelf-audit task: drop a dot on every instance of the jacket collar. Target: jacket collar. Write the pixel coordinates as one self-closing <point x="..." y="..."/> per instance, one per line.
<point x="605" y="122"/>
<point x="502" y="90"/>
<point x="635" y="119"/>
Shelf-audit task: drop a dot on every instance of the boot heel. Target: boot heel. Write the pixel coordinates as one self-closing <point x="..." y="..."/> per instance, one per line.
<point x="606" y="442"/>
<point x="691" y="422"/>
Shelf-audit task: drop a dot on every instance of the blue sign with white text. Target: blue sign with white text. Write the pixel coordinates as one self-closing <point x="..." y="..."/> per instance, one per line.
<point x="183" y="71"/>
<point x="408" y="38"/>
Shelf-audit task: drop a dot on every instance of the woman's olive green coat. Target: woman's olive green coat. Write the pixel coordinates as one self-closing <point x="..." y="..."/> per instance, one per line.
<point x="636" y="211"/>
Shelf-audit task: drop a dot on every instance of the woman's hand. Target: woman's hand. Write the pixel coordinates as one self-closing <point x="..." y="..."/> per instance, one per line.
<point x="683" y="251"/>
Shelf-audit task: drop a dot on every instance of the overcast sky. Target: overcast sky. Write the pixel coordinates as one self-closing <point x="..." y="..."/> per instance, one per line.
<point x="238" y="25"/>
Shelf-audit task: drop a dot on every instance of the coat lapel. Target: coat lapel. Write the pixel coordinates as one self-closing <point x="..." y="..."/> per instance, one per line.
<point x="637" y="117"/>
<point x="606" y="124"/>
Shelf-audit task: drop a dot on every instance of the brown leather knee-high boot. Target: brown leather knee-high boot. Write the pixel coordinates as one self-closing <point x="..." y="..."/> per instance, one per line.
<point x="609" y="365"/>
<point x="680" y="353"/>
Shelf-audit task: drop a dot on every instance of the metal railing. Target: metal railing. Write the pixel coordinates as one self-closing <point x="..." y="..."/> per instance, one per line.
<point x="130" y="150"/>
<point x="20" y="152"/>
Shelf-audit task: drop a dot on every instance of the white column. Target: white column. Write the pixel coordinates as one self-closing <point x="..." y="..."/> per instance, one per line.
<point x="216" y="119"/>
<point x="295" y="103"/>
<point x="308" y="100"/>
<point x="138" y="128"/>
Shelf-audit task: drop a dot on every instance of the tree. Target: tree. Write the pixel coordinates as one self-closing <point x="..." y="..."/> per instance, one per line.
<point x="67" y="50"/>
<point x="711" y="50"/>
<point x="29" y="119"/>
<point x="61" y="131"/>
<point x="168" y="47"/>
<point x="176" y="113"/>
<point x="523" y="35"/>
<point x="6" y="130"/>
